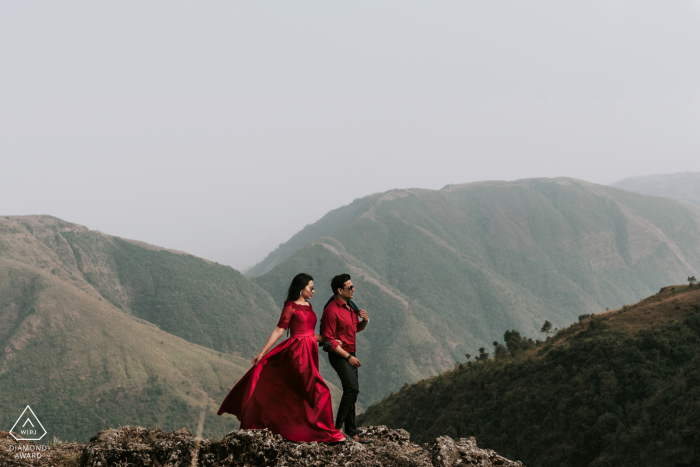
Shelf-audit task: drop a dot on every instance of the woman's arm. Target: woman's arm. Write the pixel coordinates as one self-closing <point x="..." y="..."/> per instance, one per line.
<point x="274" y="337"/>
<point x="320" y="339"/>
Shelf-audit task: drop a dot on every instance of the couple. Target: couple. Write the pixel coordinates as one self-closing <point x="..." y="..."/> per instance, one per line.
<point x="284" y="391"/>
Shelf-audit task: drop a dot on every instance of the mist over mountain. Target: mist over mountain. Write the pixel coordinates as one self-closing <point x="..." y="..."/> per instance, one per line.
<point x="683" y="186"/>
<point x="444" y="272"/>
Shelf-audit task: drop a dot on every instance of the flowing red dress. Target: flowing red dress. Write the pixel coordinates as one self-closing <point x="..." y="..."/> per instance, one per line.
<point x="284" y="392"/>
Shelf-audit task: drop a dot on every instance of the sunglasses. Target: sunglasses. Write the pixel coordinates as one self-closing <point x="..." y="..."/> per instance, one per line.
<point x="352" y="287"/>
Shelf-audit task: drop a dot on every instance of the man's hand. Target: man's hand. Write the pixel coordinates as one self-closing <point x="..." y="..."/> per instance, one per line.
<point x="354" y="362"/>
<point x="363" y="315"/>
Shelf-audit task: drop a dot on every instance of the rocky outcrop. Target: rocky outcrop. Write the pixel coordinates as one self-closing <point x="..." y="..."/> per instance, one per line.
<point x="25" y="453"/>
<point x="133" y="445"/>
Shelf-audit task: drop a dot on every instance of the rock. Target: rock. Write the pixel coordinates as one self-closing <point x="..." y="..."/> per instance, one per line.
<point x="446" y="452"/>
<point x="138" y="446"/>
<point x="141" y="446"/>
<point x="25" y="453"/>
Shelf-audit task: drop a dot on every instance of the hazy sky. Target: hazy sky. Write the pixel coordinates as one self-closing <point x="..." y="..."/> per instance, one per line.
<point x="222" y="128"/>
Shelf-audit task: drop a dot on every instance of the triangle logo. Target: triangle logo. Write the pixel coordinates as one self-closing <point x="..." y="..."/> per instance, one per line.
<point x="28" y="427"/>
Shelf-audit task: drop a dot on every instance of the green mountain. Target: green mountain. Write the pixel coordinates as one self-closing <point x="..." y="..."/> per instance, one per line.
<point x="616" y="388"/>
<point x="444" y="272"/>
<point x="99" y="331"/>
<point x="681" y="186"/>
<point x="83" y="365"/>
<point x="203" y="302"/>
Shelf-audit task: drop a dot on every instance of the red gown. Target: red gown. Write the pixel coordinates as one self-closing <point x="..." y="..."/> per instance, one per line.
<point x="284" y="392"/>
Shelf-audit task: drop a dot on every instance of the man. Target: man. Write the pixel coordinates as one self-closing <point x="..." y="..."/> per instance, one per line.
<point x="339" y="326"/>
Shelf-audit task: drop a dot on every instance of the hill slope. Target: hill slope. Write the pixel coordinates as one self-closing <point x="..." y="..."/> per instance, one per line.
<point x="203" y="302"/>
<point x="83" y="365"/>
<point x="681" y="186"/>
<point x="88" y="326"/>
<point x="618" y="388"/>
<point x="444" y="272"/>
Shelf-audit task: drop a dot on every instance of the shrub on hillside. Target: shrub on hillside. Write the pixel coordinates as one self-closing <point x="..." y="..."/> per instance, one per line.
<point x="605" y="398"/>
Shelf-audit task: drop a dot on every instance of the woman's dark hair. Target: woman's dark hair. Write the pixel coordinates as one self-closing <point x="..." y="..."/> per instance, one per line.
<point x="338" y="282"/>
<point x="298" y="284"/>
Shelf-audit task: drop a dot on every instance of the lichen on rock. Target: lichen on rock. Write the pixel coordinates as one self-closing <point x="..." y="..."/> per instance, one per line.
<point x="138" y="446"/>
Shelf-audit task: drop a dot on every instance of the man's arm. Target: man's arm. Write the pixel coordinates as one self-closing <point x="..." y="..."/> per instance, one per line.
<point x="329" y="321"/>
<point x="338" y="350"/>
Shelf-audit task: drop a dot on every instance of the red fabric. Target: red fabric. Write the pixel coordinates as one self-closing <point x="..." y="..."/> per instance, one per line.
<point x="284" y="392"/>
<point x="339" y="322"/>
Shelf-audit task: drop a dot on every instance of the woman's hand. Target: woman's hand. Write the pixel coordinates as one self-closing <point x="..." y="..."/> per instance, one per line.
<point x="276" y="334"/>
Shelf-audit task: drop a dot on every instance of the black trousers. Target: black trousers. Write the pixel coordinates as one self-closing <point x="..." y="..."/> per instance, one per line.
<point x="351" y="388"/>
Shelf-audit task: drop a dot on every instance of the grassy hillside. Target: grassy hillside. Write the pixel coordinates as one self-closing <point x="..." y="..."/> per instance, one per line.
<point x="680" y="186"/>
<point x="445" y="272"/>
<point x="617" y="388"/>
<point x="83" y="365"/>
<point x="203" y="302"/>
<point x="97" y="331"/>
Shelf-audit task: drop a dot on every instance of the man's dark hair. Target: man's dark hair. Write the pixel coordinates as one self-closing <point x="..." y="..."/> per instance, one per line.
<point x="338" y="282"/>
<point x="298" y="284"/>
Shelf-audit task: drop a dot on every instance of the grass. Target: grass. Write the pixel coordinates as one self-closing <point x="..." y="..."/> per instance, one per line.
<point x="83" y="365"/>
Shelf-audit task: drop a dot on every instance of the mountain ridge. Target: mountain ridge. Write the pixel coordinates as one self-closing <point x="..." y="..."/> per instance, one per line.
<point x="324" y="227"/>
<point x="681" y="186"/>
<point x="142" y="280"/>
<point x="443" y="272"/>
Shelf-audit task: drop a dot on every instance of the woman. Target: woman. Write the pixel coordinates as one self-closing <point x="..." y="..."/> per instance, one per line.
<point x="284" y="391"/>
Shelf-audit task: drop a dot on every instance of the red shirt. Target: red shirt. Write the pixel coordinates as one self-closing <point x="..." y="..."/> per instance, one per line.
<point x="339" y="321"/>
